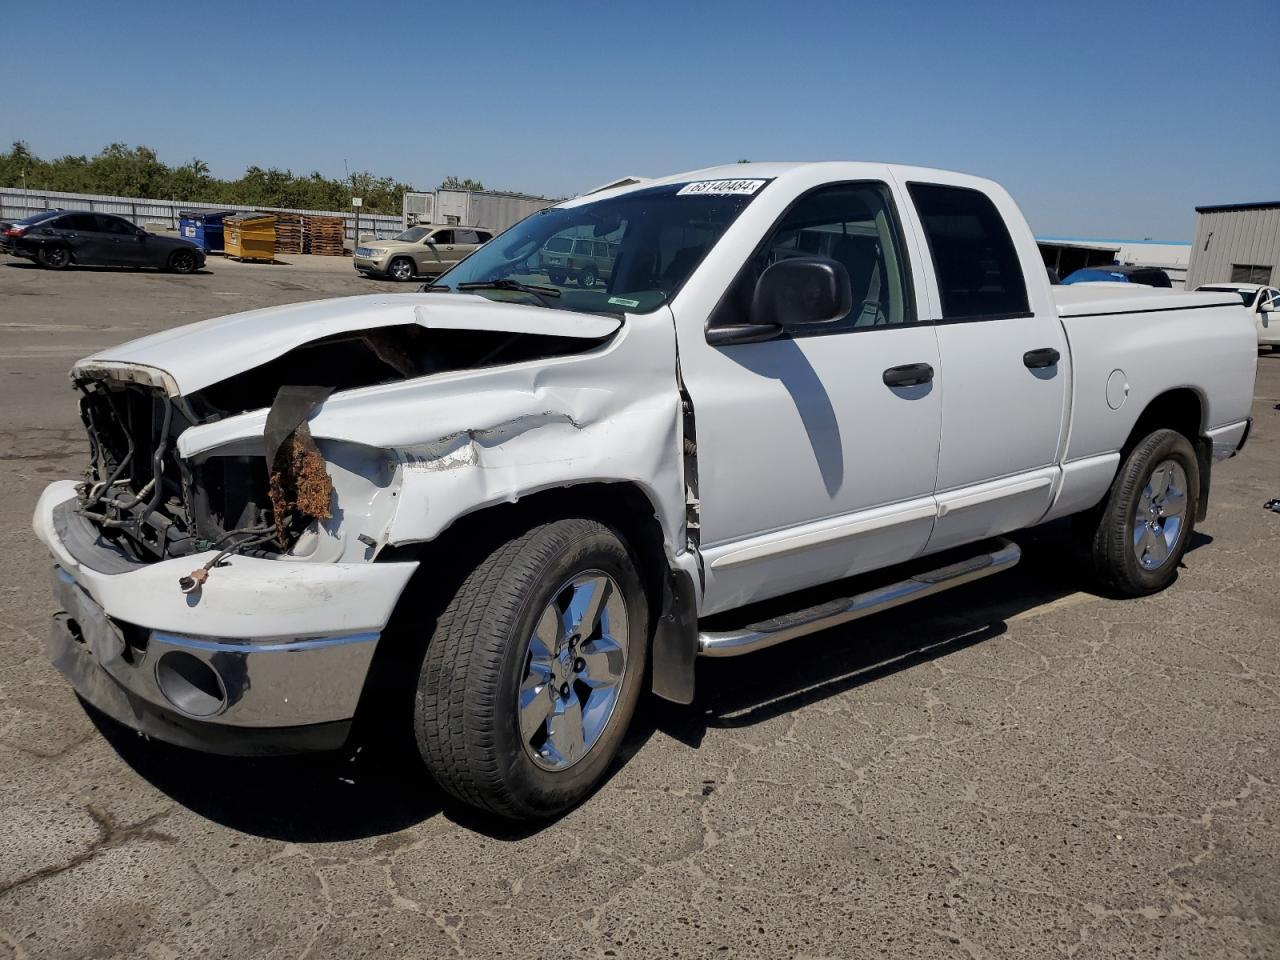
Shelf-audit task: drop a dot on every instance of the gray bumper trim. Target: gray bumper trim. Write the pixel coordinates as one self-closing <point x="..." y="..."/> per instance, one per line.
<point x="104" y="693"/>
<point x="278" y="682"/>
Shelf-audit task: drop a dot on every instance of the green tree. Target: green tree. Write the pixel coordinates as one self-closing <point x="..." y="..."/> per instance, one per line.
<point x="453" y="183"/>
<point x="121" y="170"/>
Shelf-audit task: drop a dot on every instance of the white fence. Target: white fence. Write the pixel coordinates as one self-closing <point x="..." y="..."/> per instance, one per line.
<point x="16" y="203"/>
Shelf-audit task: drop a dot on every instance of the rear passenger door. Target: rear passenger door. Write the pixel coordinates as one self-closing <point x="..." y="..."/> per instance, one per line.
<point x="1005" y="366"/>
<point x="81" y="233"/>
<point x="465" y="243"/>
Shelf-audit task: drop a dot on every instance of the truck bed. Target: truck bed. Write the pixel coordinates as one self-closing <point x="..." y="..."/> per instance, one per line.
<point x="1093" y="299"/>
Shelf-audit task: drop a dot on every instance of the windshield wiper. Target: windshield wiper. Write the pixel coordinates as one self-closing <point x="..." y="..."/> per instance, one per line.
<point x="508" y="284"/>
<point x="435" y="288"/>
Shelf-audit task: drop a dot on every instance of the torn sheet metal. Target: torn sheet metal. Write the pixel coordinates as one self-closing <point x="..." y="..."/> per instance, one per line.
<point x="460" y="441"/>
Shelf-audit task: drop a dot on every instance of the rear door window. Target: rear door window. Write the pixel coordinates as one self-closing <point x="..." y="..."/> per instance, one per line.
<point x="976" y="264"/>
<point x="80" y="222"/>
<point x="465" y="236"/>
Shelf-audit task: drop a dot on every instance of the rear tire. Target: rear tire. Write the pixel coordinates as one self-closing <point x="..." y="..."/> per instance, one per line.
<point x="556" y="277"/>
<point x="1136" y="538"/>
<point x="53" y="257"/>
<point x="533" y="673"/>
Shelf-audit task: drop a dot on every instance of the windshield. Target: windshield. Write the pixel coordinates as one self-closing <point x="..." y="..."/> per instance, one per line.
<point x="414" y="234"/>
<point x="618" y="254"/>
<point x="1245" y="295"/>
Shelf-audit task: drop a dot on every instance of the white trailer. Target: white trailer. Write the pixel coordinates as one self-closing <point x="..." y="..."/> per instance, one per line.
<point x="477" y="208"/>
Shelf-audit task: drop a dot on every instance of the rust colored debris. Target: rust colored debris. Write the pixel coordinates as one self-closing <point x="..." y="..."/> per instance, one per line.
<point x="300" y="485"/>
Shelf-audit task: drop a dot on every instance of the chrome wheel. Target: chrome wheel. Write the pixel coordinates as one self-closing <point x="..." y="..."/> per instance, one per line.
<point x="402" y="270"/>
<point x="574" y="666"/>
<point x="1160" y="515"/>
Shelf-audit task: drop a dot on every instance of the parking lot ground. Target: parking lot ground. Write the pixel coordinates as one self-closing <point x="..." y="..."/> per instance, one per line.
<point x="1013" y="769"/>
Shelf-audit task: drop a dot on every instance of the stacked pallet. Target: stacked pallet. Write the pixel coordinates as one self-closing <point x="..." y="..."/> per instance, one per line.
<point x="288" y="233"/>
<point x="323" y="236"/>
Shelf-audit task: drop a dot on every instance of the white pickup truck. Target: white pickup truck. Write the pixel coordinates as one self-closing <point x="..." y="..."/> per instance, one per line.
<point x="501" y="508"/>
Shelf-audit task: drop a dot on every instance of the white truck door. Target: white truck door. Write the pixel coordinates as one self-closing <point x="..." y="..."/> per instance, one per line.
<point x="816" y="453"/>
<point x="1005" y="363"/>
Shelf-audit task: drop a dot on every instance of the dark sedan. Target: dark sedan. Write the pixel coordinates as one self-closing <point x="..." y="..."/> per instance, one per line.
<point x="59" y="238"/>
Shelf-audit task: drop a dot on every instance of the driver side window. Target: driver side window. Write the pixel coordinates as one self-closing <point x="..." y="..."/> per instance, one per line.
<point x="441" y="237"/>
<point x="854" y="224"/>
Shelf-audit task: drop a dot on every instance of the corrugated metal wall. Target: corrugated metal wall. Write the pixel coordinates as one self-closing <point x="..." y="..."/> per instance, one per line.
<point x="16" y="204"/>
<point x="497" y="211"/>
<point x="1227" y="237"/>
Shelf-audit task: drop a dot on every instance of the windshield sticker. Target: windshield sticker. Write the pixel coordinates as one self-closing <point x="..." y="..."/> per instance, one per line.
<point x="720" y="188"/>
<point x="624" y="302"/>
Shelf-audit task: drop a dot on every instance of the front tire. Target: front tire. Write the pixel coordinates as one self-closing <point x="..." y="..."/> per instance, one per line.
<point x="182" y="261"/>
<point x="587" y="278"/>
<point x="400" y="269"/>
<point x="1136" y="538"/>
<point x="533" y="673"/>
<point x="54" y="257"/>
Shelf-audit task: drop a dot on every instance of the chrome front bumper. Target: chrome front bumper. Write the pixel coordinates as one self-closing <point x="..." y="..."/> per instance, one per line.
<point x="269" y="656"/>
<point x="235" y="697"/>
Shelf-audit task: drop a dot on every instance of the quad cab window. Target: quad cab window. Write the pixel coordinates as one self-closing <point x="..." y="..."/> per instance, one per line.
<point x="976" y="263"/>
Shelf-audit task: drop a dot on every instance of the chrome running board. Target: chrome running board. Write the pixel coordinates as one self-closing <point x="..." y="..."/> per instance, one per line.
<point x="788" y="626"/>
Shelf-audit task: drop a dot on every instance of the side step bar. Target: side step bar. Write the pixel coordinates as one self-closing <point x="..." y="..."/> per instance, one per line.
<point x="757" y="636"/>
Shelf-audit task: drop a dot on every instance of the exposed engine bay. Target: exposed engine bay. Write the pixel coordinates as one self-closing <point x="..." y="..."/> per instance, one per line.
<point x="152" y="504"/>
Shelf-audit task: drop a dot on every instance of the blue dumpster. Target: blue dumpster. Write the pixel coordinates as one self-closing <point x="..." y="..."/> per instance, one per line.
<point x="203" y="227"/>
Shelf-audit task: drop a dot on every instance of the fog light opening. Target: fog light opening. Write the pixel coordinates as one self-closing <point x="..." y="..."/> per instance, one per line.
<point x="190" y="684"/>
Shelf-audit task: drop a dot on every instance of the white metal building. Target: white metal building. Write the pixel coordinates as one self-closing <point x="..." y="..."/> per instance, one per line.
<point x="1236" y="243"/>
<point x="1067" y="254"/>
<point x="477" y="208"/>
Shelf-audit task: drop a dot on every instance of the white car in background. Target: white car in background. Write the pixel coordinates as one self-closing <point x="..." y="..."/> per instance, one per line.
<point x="1262" y="301"/>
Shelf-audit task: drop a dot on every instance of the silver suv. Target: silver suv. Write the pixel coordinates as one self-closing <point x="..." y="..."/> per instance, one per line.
<point x="420" y="251"/>
<point x="579" y="258"/>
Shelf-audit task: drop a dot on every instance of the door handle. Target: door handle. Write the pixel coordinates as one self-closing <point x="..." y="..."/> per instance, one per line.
<point x="909" y="375"/>
<point x="1044" y="357"/>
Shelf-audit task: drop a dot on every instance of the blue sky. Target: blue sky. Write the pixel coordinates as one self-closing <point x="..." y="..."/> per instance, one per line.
<point x="1112" y="121"/>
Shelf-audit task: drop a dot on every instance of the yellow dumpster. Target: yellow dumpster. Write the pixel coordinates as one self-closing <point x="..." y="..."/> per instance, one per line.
<point x="250" y="236"/>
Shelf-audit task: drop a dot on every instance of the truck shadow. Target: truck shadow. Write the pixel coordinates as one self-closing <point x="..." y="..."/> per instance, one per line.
<point x="742" y="691"/>
<point x="381" y="787"/>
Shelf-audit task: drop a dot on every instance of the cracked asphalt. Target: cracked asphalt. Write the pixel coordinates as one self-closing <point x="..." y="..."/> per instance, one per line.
<point x="1013" y="769"/>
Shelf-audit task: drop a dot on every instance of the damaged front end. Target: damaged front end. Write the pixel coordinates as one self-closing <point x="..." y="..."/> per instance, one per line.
<point x="146" y="501"/>
<point x="275" y="495"/>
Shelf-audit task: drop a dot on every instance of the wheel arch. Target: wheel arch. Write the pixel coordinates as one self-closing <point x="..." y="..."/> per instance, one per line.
<point x="622" y="505"/>
<point x="168" y="260"/>
<point x="59" y="244"/>
<point x="1183" y="409"/>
